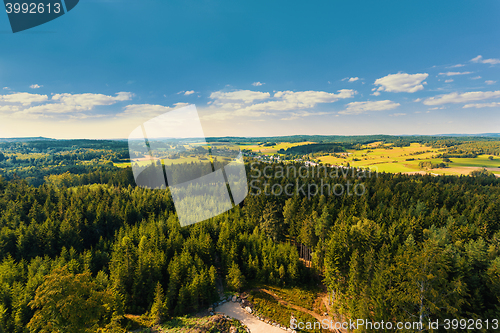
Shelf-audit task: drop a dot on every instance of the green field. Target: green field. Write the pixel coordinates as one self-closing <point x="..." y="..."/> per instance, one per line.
<point x="395" y="160"/>
<point x="387" y="159"/>
<point x="480" y="161"/>
<point x="376" y="156"/>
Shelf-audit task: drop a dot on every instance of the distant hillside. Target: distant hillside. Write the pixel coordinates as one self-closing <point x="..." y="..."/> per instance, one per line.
<point x="26" y="139"/>
<point x="482" y="135"/>
<point x="353" y="139"/>
<point x="358" y="139"/>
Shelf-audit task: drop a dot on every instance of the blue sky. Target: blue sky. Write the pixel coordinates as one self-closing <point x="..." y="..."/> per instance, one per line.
<point x="255" y="68"/>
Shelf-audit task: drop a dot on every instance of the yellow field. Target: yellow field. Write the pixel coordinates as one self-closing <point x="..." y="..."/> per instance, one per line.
<point x="389" y="159"/>
<point x="395" y="160"/>
<point x="382" y="159"/>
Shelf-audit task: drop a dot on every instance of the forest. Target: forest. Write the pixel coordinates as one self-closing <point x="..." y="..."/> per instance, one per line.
<point x="38" y="159"/>
<point x="314" y="148"/>
<point x="81" y="251"/>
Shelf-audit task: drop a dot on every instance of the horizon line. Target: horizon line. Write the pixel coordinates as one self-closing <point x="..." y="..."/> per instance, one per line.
<point x="254" y="137"/>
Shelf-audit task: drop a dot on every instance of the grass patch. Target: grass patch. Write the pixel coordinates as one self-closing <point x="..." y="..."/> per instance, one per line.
<point x="478" y="162"/>
<point x="303" y="296"/>
<point x="207" y="324"/>
<point x="407" y="159"/>
<point x="383" y="157"/>
<point x="266" y="306"/>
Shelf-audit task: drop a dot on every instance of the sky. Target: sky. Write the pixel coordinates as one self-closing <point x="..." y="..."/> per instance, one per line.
<point x="255" y="68"/>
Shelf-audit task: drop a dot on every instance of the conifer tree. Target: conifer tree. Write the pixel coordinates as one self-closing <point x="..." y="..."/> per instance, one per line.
<point x="158" y="308"/>
<point x="235" y="279"/>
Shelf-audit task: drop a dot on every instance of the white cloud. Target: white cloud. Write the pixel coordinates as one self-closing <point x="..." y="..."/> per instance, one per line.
<point x="88" y="101"/>
<point x="256" y="84"/>
<point x="475" y="78"/>
<point x="398" y="114"/>
<point x="246" y="96"/>
<point x="311" y="98"/>
<point x="44" y="110"/>
<point x="148" y="110"/>
<point x="240" y="103"/>
<point x="289" y="100"/>
<point x="297" y="115"/>
<point x="402" y="82"/>
<point x="417" y="100"/>
<point x="6" y="88"/>
<point x="9" y="108"/>
<point x="362" y="107"/>
<point x="35" y="86"/>
<point x="479" y="59"/>
<point x="455" y="73"/>
<point x="482" y="105"/>
<point x="23" y="98"/>
<point x="189" y="92"/>
<point x="144" y="110"/>
<point x="490" y="82"/>
<point x="60" y="104"/>
<point x="461" y="98"/>
<point x="491" y="61"/>
<point x="376" y="93"/>
<point x="351" y="79"/>
<point x="448" y="81"/>
<point x="50" y="111"/>
<point x="456" y="66"/>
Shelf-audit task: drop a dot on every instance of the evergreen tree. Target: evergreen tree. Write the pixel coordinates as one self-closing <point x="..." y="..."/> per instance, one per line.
<point x="270" y="223"/>
<point x="158" y="309"/>
<point x="235" y="279"/>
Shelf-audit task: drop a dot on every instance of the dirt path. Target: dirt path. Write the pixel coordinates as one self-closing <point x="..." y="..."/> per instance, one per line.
<point x="234" y="310"/>
<point x="296" y="307"/>
<point x="299" y="308"/>
<point x="325" y="300"/>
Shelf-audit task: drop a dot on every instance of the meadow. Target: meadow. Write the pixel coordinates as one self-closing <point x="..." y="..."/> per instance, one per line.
<point x="385" y="158"/>
<point x="72" y="221"/>
<point x="377" y="156"/>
